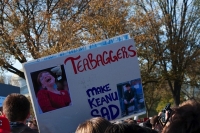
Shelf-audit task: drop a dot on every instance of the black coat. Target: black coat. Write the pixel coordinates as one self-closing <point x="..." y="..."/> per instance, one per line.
<point x="20" y="128"/>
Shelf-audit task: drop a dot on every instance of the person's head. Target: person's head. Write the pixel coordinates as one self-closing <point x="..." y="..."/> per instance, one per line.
<point x="94" y="125"/>
<point x="185" y="119"/>
<point x="128" y="128"/>
<point x="45" y="79"/>
<point x="128" y="86"/>
<point x="16" y="107"/>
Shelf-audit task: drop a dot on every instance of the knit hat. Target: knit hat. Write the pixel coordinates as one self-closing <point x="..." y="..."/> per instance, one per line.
<point x="4" y="125"/>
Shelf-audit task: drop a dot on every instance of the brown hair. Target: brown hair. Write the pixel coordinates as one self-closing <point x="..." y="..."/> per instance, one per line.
<point x="94" y="125"/>
<point x="16" y="107"/>
<point x="186" y="119"/>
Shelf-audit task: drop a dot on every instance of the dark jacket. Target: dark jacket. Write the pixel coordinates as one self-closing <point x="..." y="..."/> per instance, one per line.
<point x="128" y="95"/>
<point x="20" y="128"/>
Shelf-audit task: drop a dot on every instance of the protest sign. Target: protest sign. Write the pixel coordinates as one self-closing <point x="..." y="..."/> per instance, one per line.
<point x="70" y="87"/>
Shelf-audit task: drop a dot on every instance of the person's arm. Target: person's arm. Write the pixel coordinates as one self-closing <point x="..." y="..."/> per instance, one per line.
<point x="44" y="101"/>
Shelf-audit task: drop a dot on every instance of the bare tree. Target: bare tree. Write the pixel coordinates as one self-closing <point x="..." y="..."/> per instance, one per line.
<point x="30" y="29"/>
<point x="168" y="32"/>
<point x="1" y="79"/>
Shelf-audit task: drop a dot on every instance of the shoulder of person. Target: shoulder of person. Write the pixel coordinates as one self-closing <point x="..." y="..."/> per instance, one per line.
<point x="22" y="129"/>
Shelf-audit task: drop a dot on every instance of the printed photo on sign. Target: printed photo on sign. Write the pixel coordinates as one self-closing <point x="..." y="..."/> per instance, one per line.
<point x="131" y="97"/>
<point x="51" y="88"/>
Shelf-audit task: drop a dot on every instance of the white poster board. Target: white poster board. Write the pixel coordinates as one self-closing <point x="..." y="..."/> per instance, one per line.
<point x="73" y="86"/>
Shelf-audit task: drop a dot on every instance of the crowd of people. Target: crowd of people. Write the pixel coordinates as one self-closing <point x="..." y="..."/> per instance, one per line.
<point x="182" y="119"/>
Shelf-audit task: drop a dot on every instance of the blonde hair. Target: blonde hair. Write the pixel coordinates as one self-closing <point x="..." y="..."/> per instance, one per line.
<point x="94" y="125"/>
